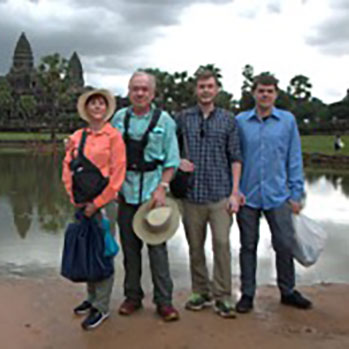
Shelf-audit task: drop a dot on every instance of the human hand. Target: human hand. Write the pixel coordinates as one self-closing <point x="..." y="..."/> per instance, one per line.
<point x="90" y="209"/>
<point x="296" y="206"/>
<point x="233" y="203"/>
<point x="186" y="165"/>
<point x="158" y="197"/>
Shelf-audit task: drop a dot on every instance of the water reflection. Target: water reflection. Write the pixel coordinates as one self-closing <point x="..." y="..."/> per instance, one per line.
<point x="34" y="211"/>
<point x="32" y="184"/>
<point x="339" y="180"/>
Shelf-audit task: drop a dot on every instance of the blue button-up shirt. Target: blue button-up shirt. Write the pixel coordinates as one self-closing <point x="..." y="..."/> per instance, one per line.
<point x="162" y="145"/>
<point x="271" y="150"/>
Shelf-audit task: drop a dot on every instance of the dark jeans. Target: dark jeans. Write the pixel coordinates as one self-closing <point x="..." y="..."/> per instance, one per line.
<point x="158" y="257"/>
<point x="280" y="224"/>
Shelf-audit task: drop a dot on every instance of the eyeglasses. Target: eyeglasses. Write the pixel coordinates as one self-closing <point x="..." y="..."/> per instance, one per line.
<point x="202" y="129"/>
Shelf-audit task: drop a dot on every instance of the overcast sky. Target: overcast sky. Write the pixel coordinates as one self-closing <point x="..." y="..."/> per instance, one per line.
<point x="116" y="37"/>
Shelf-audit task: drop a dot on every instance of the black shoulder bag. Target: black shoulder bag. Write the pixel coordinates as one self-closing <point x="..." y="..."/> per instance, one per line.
<point x="182" y="181"/>
<point x="88" y="181"/>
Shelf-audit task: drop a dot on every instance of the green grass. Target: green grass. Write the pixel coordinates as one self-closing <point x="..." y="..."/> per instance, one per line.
<point x="324" y="145"/>
<point x="310" y="144"/>
<point x="28" y="136"/>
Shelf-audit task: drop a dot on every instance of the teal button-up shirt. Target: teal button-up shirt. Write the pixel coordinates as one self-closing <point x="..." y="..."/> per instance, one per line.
<point x="162" y="145"/>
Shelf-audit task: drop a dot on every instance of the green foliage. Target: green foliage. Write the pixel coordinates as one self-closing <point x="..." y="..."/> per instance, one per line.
<point x="300" y="88"/>
<point x="27" y="106"/>
<point x="212" y="68"/>
<point x="297" y="99"/>
<point x="248" y="74"/>
<point x="51" y="73"/>
<point x="340" y="110"/>
<point x="6" y="100"/>
<point x="176" y="91"/>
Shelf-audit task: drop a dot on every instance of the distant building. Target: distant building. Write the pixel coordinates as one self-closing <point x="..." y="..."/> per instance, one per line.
<point x="22" y="79"/>
<point x="23" y="76"/>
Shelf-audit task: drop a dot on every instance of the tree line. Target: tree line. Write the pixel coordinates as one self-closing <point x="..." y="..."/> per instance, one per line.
<point x="54" y="105"/>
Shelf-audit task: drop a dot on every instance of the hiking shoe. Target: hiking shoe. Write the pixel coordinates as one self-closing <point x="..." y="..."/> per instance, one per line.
<point x="224" y="309"/>
<point x="295" y="299"/>
<point x="198" y="301"/>
<point x="129" y="306"/>
<point x="82" y="308"/>
<point x="94" y="319"/>
<point x="245" y="304"/>
<point x="167" y="312"/>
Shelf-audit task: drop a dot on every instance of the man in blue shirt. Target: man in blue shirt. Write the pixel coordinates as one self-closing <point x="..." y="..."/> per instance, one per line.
<point x="215" y="162"/>
<point x="272" y="183"/>
<point x="150" y="167"/>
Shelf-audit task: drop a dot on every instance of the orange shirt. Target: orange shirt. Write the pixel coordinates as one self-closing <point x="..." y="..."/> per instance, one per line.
<point x="106" y="149"/>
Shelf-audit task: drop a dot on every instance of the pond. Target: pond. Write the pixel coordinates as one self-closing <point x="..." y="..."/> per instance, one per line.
<point x="34" y="211"/>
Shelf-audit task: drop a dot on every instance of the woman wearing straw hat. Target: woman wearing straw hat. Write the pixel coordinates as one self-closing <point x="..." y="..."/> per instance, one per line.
<point x="105" y="149"/>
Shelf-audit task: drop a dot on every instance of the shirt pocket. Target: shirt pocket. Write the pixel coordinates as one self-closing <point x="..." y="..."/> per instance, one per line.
<point x="155" y="147"/>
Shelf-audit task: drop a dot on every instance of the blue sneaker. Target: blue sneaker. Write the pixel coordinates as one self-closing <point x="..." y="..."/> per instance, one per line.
<point x="82" y="308"/>
<point x="94" y="319"/>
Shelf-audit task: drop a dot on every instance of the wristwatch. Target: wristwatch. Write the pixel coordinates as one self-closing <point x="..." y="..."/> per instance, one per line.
<point x="165" y="185"/>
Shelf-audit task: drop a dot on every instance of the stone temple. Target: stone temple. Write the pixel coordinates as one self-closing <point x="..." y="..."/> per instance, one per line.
<point x="22" y="75"/>
<point x="22" y="79"/>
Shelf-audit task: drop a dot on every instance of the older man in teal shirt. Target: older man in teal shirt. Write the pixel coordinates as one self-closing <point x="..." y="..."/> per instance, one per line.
<point x="152" y="157"/>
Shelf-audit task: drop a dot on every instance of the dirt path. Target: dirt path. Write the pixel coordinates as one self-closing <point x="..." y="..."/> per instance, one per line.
<point x="37" y="314"/>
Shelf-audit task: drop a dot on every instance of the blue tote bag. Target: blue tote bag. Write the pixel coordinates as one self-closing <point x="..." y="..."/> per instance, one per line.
<point x="83" y="258"/>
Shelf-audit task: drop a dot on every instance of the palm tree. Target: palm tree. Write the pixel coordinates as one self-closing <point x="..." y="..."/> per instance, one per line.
<point x="51" y="73"/>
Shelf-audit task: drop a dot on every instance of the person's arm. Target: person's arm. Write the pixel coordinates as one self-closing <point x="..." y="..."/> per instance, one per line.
<point x="171" y="162"/>
<point x="159" y="195"/>
<point x="235" y="198"/>
<point x="234" y="152"/>
<point x="295" y="177"/>
<point x="185" y="164"/>
<point x="66" y="173"/>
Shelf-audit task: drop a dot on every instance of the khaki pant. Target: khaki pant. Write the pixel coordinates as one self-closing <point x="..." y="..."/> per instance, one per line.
<point x="99" y="293"/>
<point x="196" y="217"/>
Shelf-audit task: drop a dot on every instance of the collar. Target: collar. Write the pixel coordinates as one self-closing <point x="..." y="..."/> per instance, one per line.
<point x="275" y="113"/>
<point x="201" y="114"/>
<point x="106" y="129"/>
<point x="144" y="116"/>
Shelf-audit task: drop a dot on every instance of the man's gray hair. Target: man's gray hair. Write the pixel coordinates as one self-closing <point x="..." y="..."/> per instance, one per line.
<point x="151" y="78"/>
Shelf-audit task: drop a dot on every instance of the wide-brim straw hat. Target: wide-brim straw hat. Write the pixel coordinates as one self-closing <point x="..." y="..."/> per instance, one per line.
<point x="111" y="103"/>
<point x="156" y="225"/>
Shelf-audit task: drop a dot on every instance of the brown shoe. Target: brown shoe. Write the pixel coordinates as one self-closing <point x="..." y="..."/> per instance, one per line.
<point x="167" y="312"/>
<point x="129" y="306"/>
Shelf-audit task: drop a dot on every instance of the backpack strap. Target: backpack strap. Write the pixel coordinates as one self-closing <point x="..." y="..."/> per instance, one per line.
<point x="182" y="136"/>
<point x="82" y="142"/>
<point x="127" y="123"/>
<point x="154" y="120"/>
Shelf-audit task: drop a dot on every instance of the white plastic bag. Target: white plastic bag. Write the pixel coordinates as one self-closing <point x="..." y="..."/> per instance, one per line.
<point x="310" y="240"/>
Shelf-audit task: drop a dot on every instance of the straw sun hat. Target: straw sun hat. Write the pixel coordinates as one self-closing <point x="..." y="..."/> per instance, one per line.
<point x="111" y="104"/>
<point x="157" y="225"/>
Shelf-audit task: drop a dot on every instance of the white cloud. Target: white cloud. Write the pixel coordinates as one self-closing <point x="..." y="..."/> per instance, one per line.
<point x="113" y="38"/>
<point x="251" y="33"/>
